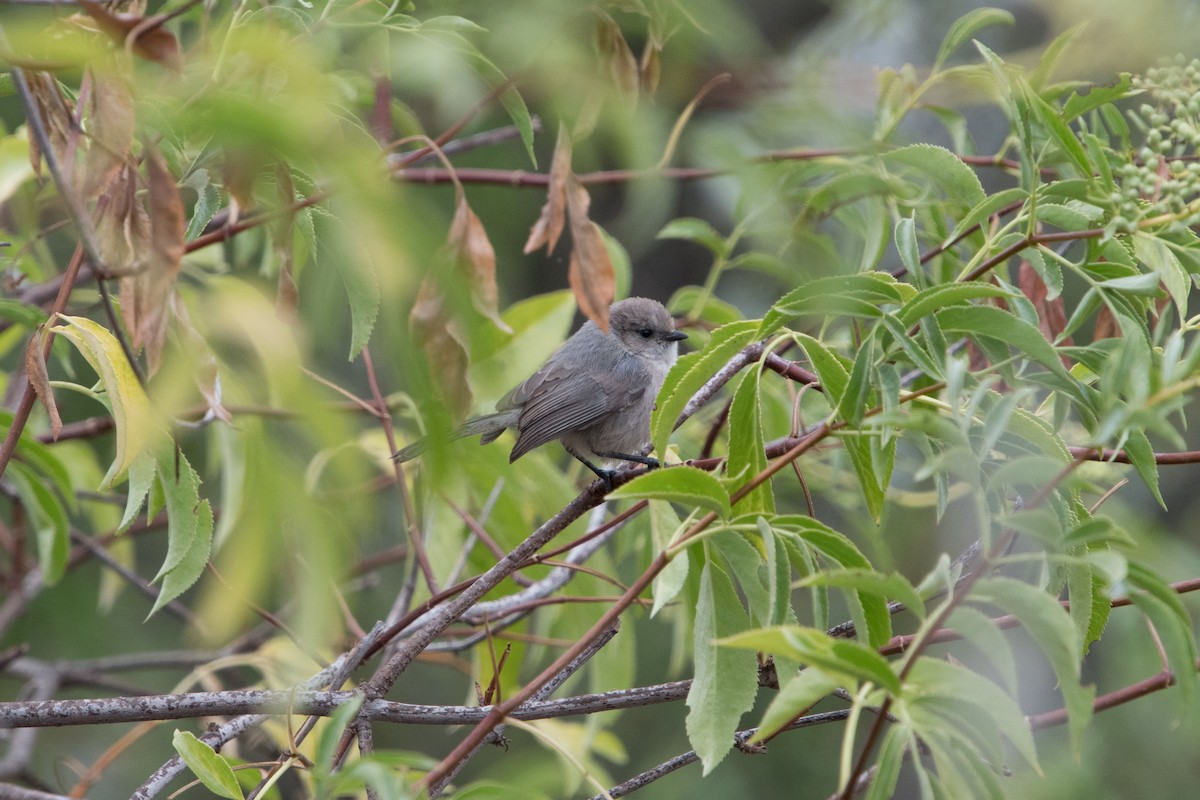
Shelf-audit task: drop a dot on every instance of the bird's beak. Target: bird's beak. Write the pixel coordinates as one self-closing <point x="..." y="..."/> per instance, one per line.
<point x="675" y="336"/>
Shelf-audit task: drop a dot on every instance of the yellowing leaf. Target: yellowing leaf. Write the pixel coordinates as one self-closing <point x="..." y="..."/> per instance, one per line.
<point x="136" y="428"/>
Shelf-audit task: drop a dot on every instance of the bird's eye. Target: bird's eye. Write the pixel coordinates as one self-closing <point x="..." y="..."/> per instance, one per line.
<point x="645" y="333"/>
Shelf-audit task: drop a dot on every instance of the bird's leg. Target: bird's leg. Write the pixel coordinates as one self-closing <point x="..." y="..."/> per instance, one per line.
<point x="652" y="463"/>
<point x="605" y="475"/>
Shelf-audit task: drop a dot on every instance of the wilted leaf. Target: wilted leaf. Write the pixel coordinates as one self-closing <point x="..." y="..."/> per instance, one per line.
<point x="473" y="252"/>
<point x="55" y="111"/>
<point x="131" y="409"/>
<point x="650" y="67"/>
<point x="590" y="273"/>
<point x="145" y="295"/>
<point x="549" y="225"/>
<point x="39" y="379"/>
<point x="617" y="57"/>
<point x="124" y="228"/>
<point x="151" y="40"/>
<point x="110" y="126"/>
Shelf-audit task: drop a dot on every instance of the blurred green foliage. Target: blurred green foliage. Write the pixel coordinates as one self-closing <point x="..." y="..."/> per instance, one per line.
<point x="952" y="278"/>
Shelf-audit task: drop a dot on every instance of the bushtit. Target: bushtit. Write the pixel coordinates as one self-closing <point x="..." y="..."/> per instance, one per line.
<point x="594" y="394"/>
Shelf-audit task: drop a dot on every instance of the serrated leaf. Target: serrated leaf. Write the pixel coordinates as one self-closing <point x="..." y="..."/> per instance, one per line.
<point x="136" y="429"/>
<point x="858" y="295"/>
<point x="992" y="323"/>
<point x="966" y="26"/>
<point x="691" y="372"/>
<point x="726" y="679"/>
<point x="979" y="629"/>
<point x="1051" y="627"/>
<point x="685" y="485"/>
<point x="212" y="770"/>
<point x="141" y="478"/>
<point x="189" y="530"/>
<point x="945" y="169"/>
<point x="943" y="295"/>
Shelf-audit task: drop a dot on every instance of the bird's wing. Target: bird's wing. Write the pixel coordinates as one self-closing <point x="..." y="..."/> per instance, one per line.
<point x="561" y="403"/>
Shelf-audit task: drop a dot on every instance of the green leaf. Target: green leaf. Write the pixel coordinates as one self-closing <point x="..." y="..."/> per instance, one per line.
<point x="978" y="629"/>
<point x="664" y="524"/>
<point x="747" y="457"/>
<point x="726" y="679"/>
<point x="48" y="518"/>
<point x="829" y="367"/>
<point x="992" y="323"/>
<point x="1051" y="627"/>
<point x="189" y="530"/>
<point x="906" y="244"/>
<point x="932" y="678"/>
<point x="1166" y="611"/>
<point x="966" y="26"/>
<point x="136" y="426"/>
<point x="1155" y="253"/>
<point x="696" y="230"/>
<point x="693" y="371"/>
<point x="796" y="695"/>
<point x="892" y="585"/>
<point x="212" y="770"/>
<point x="873" y="467"/>
<point x="857" y="295"/>
<point x="1077" y="105"/>
<point x="896" y="742"/>
<point x="362" y="290"/>
<point x="685" y="485"/>
<point x="141" y="478"/>
<point x="949" y="294"/>
<point x="25" y="315"/>
<point x="990" y="205"/>
<point x="331" y="729"/>
<point x="844" y="660"/>
<point x="945" y="169"/>
<point x="1141" y="456"/>
<point x="1061" y="133"/>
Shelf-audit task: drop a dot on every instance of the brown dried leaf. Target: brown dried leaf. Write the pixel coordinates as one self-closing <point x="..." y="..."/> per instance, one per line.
<point x="650" y="68"/>
<point x="549" y="225"/>
<point x="145" y="295"/>
<point x="124" y="228"/>
<point x="1106" y="325"/>
<point x="39" y="379"/>
<point x="151" y="40"/>
<point x="616" y="55"/>
<point x="590" y="273"/>
<point x="1052" y="316"/>
<point x="56" y="113"/>
<point x="472" y="250"/>
<point x="111" y="126"/>
<point x="432" y="328"/>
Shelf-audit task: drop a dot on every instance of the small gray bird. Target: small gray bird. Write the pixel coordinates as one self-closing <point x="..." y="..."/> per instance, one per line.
<point x="594" y="395"/>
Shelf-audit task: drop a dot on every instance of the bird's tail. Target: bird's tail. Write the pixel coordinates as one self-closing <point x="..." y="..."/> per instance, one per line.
<point x="488" y="428"/>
